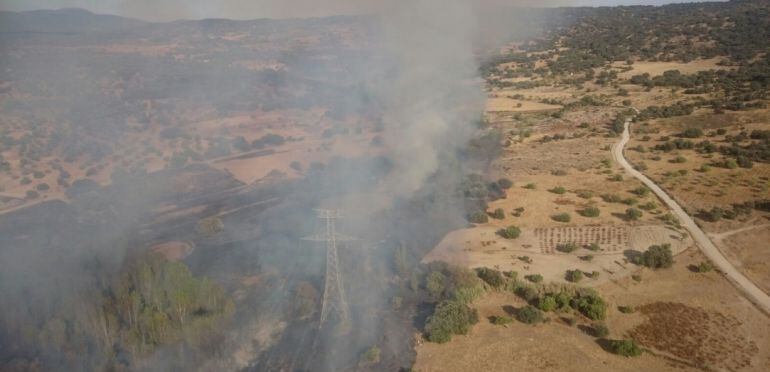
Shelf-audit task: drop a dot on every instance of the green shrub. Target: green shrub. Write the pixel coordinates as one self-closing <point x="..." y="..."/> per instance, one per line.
<point x="642" y="191"/>
<point x="558" y="190"/>
<point x="679" y="159"/>
<point x="547" y="303"/>
<point x="600" y="330"/>
<point x="450" y="318"/>
<point x="616" y="178"/>
<point x="478" y="217"/>
<point x="648" y="206"/>
<point x="692" y="133"/>
<point x="510" y="232"/>
<point x="534" y="278"/>
<point x="611" y="198"/>
<point x="626" y="309"/>
<point x="704" y="267"/>
<point x="498" y="214"/>
<point x="492" y="277"/>
<point x="585" y="194"/>
<point x="587" y="258"/>
<point x="530" y="186"/>
<point x="630" y="201"/>
<point x="633" y="214"/>
<point x="371" y="356"/>
<point x="435" y="283"/>
<point x="626" y="348"/>
<point x="567" y="247"/>
<point x="656" y="257"/>
<point x="562" y="217"/>
<point x="590" y="305"/>
<point x="594" y="247"/>
<point x="590" y="212"/>
<point x="529" y="315"/>
<point x="636" y="277"/>
<point x="505" y="183"/>
<point x="501" y="320"/>
<point x="574" y="276"/>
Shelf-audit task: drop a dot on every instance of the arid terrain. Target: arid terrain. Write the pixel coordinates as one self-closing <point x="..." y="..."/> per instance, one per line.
<point x="559" y="124"/>
<point x="426" y="189"/>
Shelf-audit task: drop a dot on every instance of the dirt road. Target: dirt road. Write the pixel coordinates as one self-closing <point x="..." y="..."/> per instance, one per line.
<point x="751" y="291"/>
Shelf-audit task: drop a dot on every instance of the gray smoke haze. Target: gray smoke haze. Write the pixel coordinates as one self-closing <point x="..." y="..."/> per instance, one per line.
<point x="423" y="76"/>
<point x="431" y="41"/>
<point x="168" y="10"/>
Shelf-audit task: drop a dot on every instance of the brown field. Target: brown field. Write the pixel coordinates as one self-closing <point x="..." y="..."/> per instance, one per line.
<point x="736" y="335"/>
<point x="658" y="68"/>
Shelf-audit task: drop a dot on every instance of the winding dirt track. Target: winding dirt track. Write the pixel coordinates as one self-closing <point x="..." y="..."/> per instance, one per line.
<point x="751" y="291"/>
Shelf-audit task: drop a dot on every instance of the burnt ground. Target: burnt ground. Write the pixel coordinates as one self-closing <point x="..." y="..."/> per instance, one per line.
<point x="263" y="226"/>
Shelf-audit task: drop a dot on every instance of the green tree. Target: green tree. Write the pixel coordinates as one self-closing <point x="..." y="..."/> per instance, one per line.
<point x="450" y="318"/>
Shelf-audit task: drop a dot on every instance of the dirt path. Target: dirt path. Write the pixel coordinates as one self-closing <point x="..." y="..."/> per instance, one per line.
<point x="722" y="236"/>
<point x="749" y="289"/>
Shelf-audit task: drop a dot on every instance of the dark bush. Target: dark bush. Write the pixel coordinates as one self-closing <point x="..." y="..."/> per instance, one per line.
<point x="492" y="277"/>
<point x="567" y="247"/>
<point x="626" y="348"/>
<point x="510" y="232"/>
<point x="478" y="217"/>
<point x="562" y="217"/>
<point x="505" y="183"/>
<point x="590" y="212"/>
<point x="529" y="315"/>
<point x="656" y="257"/>
<point x="450" y="318"/>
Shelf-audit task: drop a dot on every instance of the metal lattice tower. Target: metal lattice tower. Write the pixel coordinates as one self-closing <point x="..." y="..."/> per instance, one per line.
<point x="334" y="300"/>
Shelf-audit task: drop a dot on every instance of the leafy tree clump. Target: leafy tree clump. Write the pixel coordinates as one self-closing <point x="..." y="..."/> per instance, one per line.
<point x="510" y="232"/>
<point x="450" y="318"/>
<point x="590" y="304"/>
<point x="656" y="257"/>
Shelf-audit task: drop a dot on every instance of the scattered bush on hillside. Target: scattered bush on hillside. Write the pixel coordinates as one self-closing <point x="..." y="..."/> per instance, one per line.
<point x="529" y="315"/>
<point x="510" y="232"/>
<point x="626" y="348"/>
<point x="590" y="212"/>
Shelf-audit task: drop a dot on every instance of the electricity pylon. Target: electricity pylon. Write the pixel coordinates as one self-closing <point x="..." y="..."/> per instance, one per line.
<point x="334" y="292"/>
